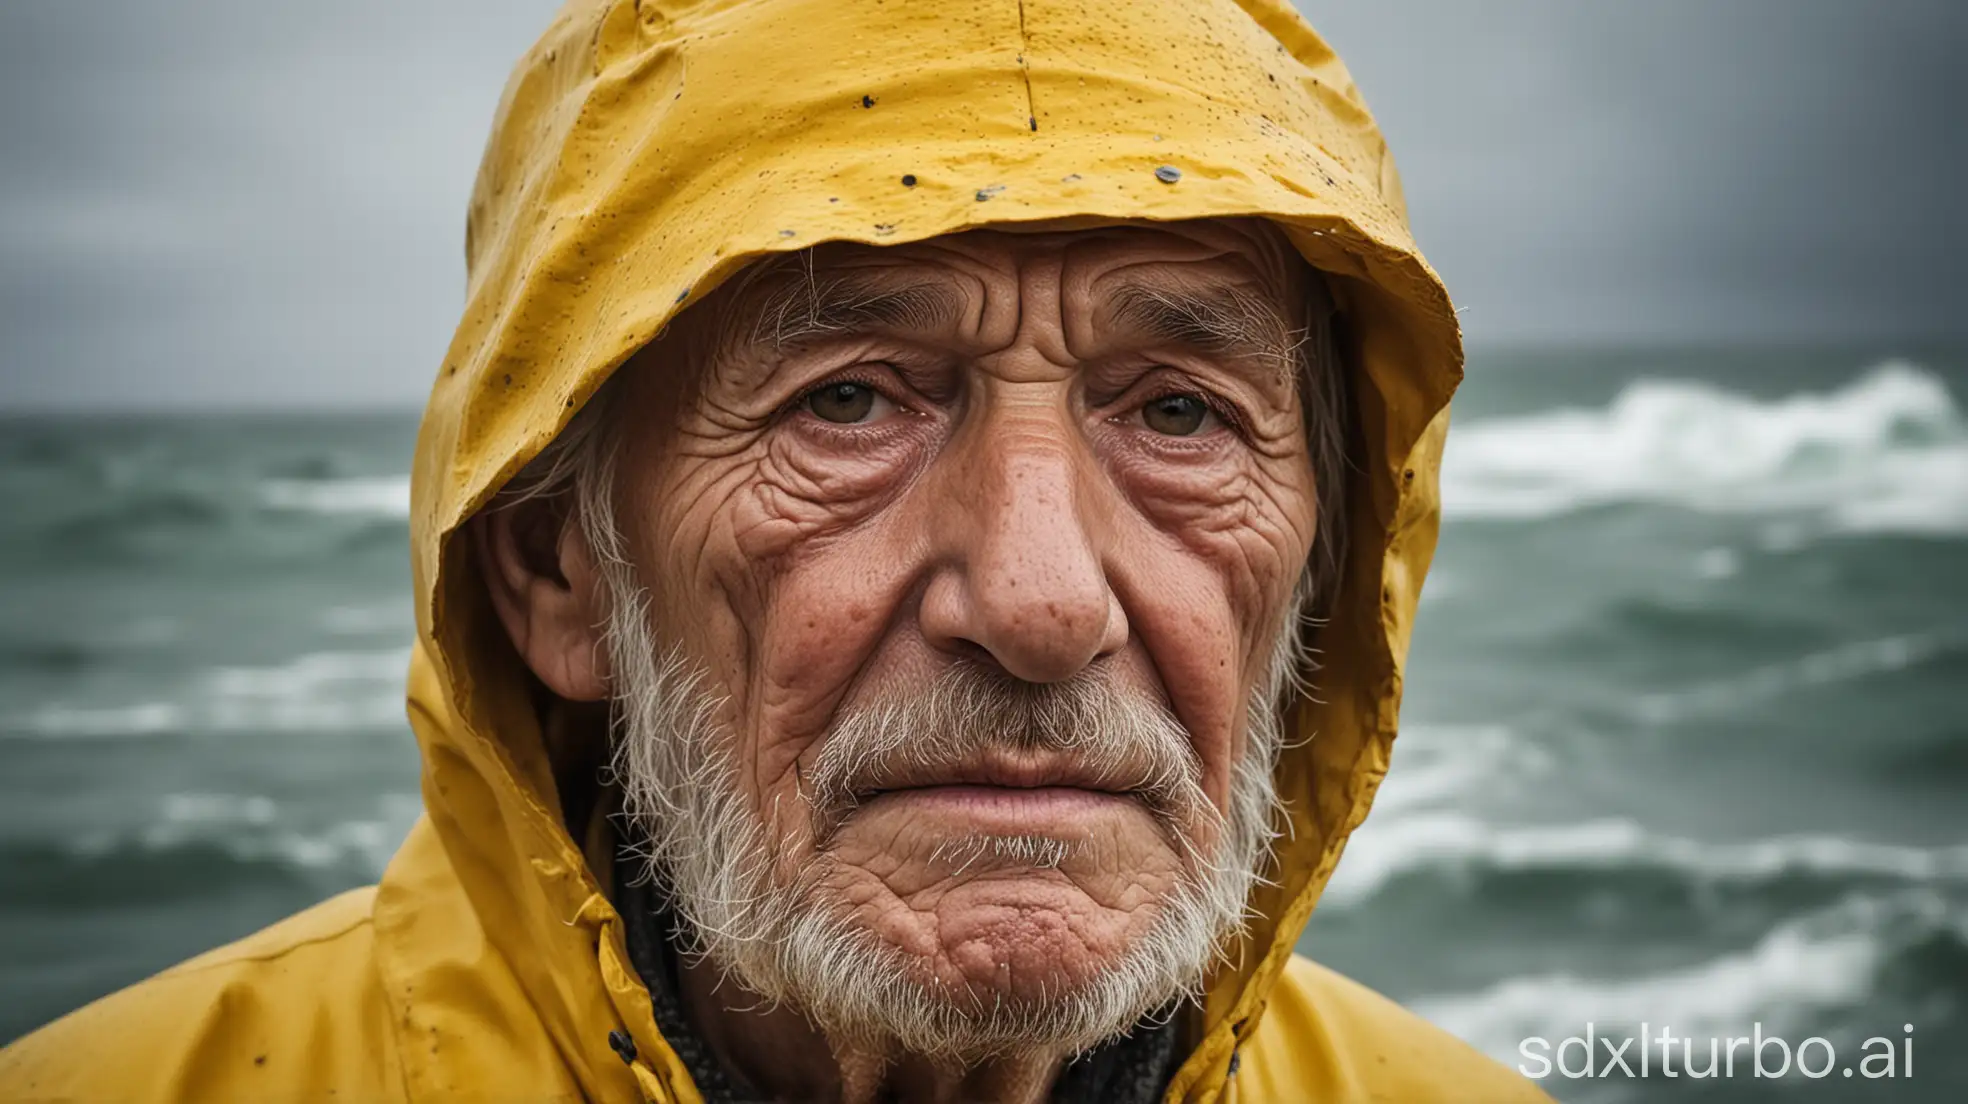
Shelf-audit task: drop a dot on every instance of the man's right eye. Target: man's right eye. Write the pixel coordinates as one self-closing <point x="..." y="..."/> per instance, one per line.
<point x="846" y="403"/>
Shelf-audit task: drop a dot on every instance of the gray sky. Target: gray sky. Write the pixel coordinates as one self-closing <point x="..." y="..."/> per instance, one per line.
<point x="261" y="204"/>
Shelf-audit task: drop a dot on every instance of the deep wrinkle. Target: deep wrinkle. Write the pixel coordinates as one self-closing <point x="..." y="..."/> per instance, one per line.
<point x="999" y="499"/>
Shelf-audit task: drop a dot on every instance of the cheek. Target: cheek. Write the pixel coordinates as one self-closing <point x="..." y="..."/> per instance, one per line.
<point x="827" y="614"/>
<point x="797" y="577"/>
<point x="1247" y="519"/>
<point x="795" y="492"/>
<point x="1206" y="578"/>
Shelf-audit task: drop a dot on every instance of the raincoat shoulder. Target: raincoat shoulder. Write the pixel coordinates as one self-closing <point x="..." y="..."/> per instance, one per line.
<point x="293" y="1012"/>
<point x="1326" y="1037"/>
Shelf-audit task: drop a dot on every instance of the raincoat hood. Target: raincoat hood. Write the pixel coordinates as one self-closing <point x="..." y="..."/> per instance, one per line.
<point x="645" y="152"/>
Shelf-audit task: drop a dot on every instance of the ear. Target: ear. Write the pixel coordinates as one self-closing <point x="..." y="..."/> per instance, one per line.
<point x="547" y="591"/>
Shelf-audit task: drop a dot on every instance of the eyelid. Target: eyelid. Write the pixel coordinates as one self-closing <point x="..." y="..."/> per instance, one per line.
<point x="1229" y="413"/>
<point x="854" y="374"/>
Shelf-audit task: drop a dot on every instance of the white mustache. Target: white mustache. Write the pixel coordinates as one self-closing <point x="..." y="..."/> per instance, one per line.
<point x="1089" y="729"/>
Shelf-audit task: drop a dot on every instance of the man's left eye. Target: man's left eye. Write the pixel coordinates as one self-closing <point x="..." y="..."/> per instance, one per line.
<point x="847" y="403"/>
<point x="1178" y="415"/>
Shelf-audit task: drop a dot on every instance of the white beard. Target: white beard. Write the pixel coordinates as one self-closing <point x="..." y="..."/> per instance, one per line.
<point x="776" y="934"/>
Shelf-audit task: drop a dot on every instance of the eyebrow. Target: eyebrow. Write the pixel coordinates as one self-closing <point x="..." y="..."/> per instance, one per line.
<point x="1221" y="320"/>
<point x="806" y="309"/>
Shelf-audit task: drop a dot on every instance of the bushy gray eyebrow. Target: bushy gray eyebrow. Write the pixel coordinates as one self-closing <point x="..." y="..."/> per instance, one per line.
<point x="1221" y="320"/>
<point x="805" y="309"/>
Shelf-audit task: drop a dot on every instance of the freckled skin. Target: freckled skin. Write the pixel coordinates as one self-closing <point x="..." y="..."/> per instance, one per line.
<point x="1003" y="501"/>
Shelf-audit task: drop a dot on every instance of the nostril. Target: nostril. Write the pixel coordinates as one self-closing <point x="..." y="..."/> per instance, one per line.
<point x="973" y="652"/>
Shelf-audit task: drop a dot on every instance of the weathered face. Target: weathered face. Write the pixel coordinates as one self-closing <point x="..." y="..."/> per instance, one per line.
<point x="1018" y="463"/>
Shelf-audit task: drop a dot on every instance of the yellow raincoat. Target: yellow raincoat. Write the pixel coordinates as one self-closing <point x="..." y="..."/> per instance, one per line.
<point x="643" y="152"/>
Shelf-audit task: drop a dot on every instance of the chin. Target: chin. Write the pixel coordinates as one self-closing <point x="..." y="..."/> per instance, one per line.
<point x="1024" y="936"/>
<point x="1008" y="960"/>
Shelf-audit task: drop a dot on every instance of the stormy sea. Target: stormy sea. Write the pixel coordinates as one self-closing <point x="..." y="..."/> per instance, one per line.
<point x="1685" y="743"/>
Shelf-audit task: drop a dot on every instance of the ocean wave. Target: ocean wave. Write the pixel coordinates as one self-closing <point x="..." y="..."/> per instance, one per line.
<point x="174" y="515"/>
<point x="1887" y="452"/>
<point x="1828" y="667"/>
<point x="322" y="691"/>
<point x="62" y="720"/>
<point x="132" y="528"/>
<point x="200" y="843"/>
<point x="1437" y="763"/>
<point x="1461" y="846"/>
<point x="374" y="496"/>
<point x="1831" y="960"/>
<point x="393" y="618"/>
<point x="316" y="675"/>
<point x="250" y="828"/>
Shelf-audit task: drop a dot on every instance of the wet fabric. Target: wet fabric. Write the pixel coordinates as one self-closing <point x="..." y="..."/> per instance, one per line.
<point x="643" y="153"/>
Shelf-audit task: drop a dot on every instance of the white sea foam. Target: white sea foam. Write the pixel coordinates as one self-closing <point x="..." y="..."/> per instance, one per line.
<point x="183" y="810"/>
<point x="378" y="496"/>
<point x="255" y="828"/>
<point x="1456" y="843"/>
<point x="60" y="720"/>
<point x="317" y="674"/>
<point x="1718" y="563"/>
<point x="322" y="691"/>
<point x="1436" y="764"/>
<point x="1420" y="824"/>
<point x="366" y="620"/>
<point x="1823" y="961"/>
<point x="1887" y="452"/>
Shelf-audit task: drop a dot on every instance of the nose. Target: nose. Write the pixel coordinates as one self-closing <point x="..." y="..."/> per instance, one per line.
<point x="1025" y="582"/>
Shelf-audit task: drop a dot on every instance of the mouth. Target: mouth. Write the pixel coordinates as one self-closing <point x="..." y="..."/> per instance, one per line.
<point x="964" y="809"/>
<point x="1010" y="772"/>
<point x="983" y="798"/>
<point x="1006" y="792"/>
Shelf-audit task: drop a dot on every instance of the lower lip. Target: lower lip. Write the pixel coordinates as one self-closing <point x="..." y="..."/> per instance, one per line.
<point x="1005" y="807"/>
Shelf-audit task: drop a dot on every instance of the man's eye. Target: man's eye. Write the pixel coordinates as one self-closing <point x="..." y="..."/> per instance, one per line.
<point x="846" y="403"/>
<point x="1177" y="415"/>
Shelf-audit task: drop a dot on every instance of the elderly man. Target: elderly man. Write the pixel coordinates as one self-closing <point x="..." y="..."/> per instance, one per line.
<point x="872" y="533"/>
